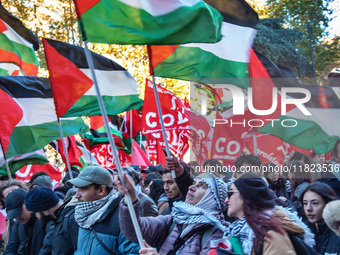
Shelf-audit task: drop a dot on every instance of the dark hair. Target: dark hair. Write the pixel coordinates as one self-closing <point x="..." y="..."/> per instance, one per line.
<point x="300" y="156"/>
<point x="156" y="189"/>
<point x="212" y="162"/>
<point x="323" y="190"/>
<point x="97" y="186"/>
<point x="335" y="151"/>
<point x="300" y="175"/>
<point x="36" y="175"/>
<point x="261" y="223"/>
<point x="150" y="177"/>
<point x="250" y="159"/>
<point x="134" y="175"/>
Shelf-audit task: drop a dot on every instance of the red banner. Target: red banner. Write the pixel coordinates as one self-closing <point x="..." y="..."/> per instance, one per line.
<point x="175" y="114"/>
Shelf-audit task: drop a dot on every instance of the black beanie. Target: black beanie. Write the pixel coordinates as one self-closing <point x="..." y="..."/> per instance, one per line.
<point x="41" y="199"/>
<point x="253" y="189"/>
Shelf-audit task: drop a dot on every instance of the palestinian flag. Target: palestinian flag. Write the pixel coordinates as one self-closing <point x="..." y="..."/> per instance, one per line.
<point x="318" y="131"/>
<point x="72" y="86"/>
<point x="17" y="162"/>
<point x="218" y="63"/>
<point x="27" y="115"/>
<point x="148" y="21"/>
<point x="17" y="45"/>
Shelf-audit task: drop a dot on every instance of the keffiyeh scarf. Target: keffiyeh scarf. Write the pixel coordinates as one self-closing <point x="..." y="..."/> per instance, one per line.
<point x="88" y="213"/>
<point x="187" y="215"/>
<point x="245" y="234"/>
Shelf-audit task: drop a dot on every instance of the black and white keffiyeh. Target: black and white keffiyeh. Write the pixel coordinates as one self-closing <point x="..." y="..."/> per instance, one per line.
<point x="88" y="213"/>
<point x="245" y="234"/>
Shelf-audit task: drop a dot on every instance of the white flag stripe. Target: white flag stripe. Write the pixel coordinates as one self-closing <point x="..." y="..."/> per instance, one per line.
<point x="159" y="7"/>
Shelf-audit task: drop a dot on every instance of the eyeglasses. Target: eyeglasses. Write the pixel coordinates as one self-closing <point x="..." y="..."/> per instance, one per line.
<point x="231" y="192"/>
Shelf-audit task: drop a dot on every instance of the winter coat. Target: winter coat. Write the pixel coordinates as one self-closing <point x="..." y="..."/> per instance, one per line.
<point x="26" y="239"/>
<point x="108" y="231"/>
<point x="62" y="235"/>
<point x="148" y="206"/>
<point x="327" y="242"/>
<point x="280" y="244"/>
<point x="156" y="232"/>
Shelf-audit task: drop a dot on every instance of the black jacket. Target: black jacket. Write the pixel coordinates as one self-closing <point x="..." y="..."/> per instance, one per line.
<point x="62" y="236"/>
<point x="26" y="239"/>
<point x="327" y="242"/>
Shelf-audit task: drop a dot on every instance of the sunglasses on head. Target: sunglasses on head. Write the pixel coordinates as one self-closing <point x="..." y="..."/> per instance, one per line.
<point x="231" y="192"/>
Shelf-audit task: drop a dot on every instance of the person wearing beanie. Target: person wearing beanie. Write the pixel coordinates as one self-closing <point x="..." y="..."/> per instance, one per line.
<point x="97" y="214"/>
<point x="62" y="228"/>
<point x="27" y="233"/>
<point x="191" y="225"/>
<point x="260" y="226"/>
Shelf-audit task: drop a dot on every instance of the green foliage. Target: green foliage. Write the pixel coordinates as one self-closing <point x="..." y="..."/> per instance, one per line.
<point x="279" y="45"/>
<point x="296" y="14"/>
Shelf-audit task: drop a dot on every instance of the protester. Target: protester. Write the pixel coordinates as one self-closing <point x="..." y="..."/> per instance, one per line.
<point x="171" y="191"/>
<point x="247" y="163"/>
<point x="275" y="181"/>
<point x="42" y="181"/>
<point x="336" y="160"/>
<point x="196" y="220"/>
<point x="147" y="205"/>
<point x="27" y="233"/>
<point x="261" y="225"/>
<point x="147" y="180"/>
<point x="62" y="232"/>
<point x="314" y="198"/>
<point x="157" y="194"/>
<point x="97" y="214"/>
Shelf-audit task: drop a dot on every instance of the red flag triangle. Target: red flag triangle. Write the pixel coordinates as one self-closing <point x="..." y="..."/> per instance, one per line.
<point x="67" y="81"/>
<point x="10" y="115"/>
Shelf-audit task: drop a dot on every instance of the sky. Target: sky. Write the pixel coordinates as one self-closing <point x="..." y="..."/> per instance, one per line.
<point x="334" y="25"/>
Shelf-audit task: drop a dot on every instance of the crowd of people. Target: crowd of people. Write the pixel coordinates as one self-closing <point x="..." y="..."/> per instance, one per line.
<point x="257" y="209"/>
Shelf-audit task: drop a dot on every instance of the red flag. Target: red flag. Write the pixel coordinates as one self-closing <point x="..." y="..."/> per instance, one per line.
<point x="175" y="115"/>
<point x="27" y="171"/>
<point x="10" y="115"/>
<point x="160" y="155"/>
<point x="271" y="148"/>
<point x="137" y="122"/>
<point x="73" y="151"/>
<point x="138" y="156"/>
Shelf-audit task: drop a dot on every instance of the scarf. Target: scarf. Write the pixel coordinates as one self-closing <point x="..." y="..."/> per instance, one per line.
<point x="245" y="234"/>
<point x="88" y="213"/>
<point x="190" y="215"/>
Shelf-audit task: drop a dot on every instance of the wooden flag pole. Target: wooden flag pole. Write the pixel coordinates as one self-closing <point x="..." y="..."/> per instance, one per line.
<point x="65" y="150"/>
<point x="162" y="123"/>
<point x="113" y="146"/>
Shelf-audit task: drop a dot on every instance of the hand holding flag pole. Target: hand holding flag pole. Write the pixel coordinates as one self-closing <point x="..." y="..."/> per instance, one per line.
<point x="162" y="123"/>
<point x="113" y="146"/>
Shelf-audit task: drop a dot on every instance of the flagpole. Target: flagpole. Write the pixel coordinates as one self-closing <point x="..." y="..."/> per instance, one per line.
<point x="131" y="138"/>
<point x="6" y="163"/>
<point x="162" y="123"/>
<point x="255" y="143"/>
<point x="113" y="146"/>
<point x="65" y="150"/>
